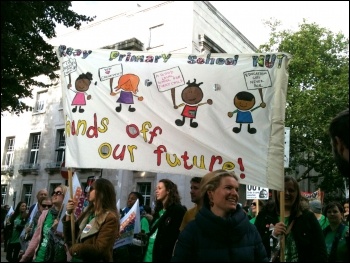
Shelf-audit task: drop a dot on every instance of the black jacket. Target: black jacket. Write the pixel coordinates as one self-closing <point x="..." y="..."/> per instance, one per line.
<point x="306" y="231"/>
<point x="168" y="231"/>
<point x="210" y="238"/>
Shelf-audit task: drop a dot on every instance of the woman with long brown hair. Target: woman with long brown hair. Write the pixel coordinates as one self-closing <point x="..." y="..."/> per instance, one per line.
<point x="304" y="241"/>
<point x="165" y="226"/>
<point x="97" y="228"/>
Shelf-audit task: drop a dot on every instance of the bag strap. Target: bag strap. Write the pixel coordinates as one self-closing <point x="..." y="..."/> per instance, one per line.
<point x="290" y="227"/>
<point x="332" y="254"/>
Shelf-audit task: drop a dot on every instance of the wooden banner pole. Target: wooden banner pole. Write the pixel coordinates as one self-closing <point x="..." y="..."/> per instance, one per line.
<point x="72" y="218"/>
<point x="282" y="244"/>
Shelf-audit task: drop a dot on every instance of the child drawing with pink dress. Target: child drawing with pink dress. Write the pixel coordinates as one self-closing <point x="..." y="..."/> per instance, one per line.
<point x="82" y="84"/>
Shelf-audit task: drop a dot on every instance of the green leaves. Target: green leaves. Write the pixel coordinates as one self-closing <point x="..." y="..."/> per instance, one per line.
<point x="318" y="89"/>
<point x="24" y="52"/>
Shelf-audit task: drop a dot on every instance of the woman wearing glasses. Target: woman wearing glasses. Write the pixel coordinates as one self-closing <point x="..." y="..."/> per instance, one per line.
<point x="255" y="208"/>
<point x="45" y="204"/>
<point x="97" y="227"/>
<point x="47" y="245"/>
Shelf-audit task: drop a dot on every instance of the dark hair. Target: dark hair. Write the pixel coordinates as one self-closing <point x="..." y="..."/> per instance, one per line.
<point x="17" y="212"/>
<point x="196" y="179"/>
<point x="173" y="196"/>
<point x="245" y="95"/>
<point x="339" y="126"/>
<point x="332" y="205"/>
<point x="139" y="196"/>
<point x="105" y="200"/>
<point x="148" y="209"/>
<point x="261" y="203"/>
<point x="86" y="75"/>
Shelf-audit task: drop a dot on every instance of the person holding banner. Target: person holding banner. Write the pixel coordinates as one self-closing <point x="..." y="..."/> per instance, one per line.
<point x="47" y="244"/>
<point x="129" y="252"/>
<point x="32" y="223"/>
<point x="221" y="231"/>
<point x="303" y="238"/>
<point x="167" y="218"/>
<point x="96" y="228"/>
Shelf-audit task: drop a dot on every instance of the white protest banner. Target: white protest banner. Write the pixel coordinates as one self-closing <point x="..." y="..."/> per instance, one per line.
<point x="77" y="193"/>
<point x="129" y="225"/>
<point x="256" y="192"/>
<point x="176" y="113"/>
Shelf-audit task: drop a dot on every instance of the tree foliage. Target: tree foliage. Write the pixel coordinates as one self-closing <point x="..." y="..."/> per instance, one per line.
<point x="24" y="52"/>
<point x="318" y="88"/>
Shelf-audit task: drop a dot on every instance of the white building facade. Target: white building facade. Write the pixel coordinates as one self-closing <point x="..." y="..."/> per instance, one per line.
<point x="33" y="144"/>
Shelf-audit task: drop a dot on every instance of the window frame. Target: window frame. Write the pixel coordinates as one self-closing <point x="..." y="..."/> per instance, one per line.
<point x="40" y="102"/>
<point x="27" y="193"/>
<point x="146" y="193"/>
<point x="4" y="193"/>
<point x="10" y="151"/>
<point x="34" y="148"/>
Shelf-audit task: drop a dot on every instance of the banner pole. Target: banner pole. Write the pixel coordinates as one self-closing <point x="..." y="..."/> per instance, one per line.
<point x="282" y="244"/>
<point x="72" y="218"/>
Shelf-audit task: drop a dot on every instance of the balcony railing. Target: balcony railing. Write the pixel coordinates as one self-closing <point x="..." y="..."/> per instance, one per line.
<point x="7" y="169"/>
<point x="53" y="167"/>
<point x="29" y="168"/>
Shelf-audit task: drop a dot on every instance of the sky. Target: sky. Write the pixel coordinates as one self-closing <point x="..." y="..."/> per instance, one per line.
<point x="333" y="15"/>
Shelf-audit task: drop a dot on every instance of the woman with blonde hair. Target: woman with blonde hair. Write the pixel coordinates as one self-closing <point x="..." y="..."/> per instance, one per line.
<point x="221" y="231"/>
<point x="47" y="244"/>
<point x="97" y="228"/>
<point x="256" y="207"/>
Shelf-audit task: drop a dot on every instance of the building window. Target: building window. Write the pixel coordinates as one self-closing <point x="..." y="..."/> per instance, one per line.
<point x="27" y="193"/>
<point x="156" y="36"/>
<point x="3" y="194"/>
<point x="40" y="101"/>
<point x="10" y="146"/>
<point x="145" y="190"/>
<point x="61" y="146"/>
<point x="209" y="46"/>
<point x="34" y="151"/>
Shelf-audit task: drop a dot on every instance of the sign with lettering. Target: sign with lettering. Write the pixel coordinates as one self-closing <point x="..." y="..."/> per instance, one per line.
<point x="176" y="113"/>
<point x="256" y="192"/>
